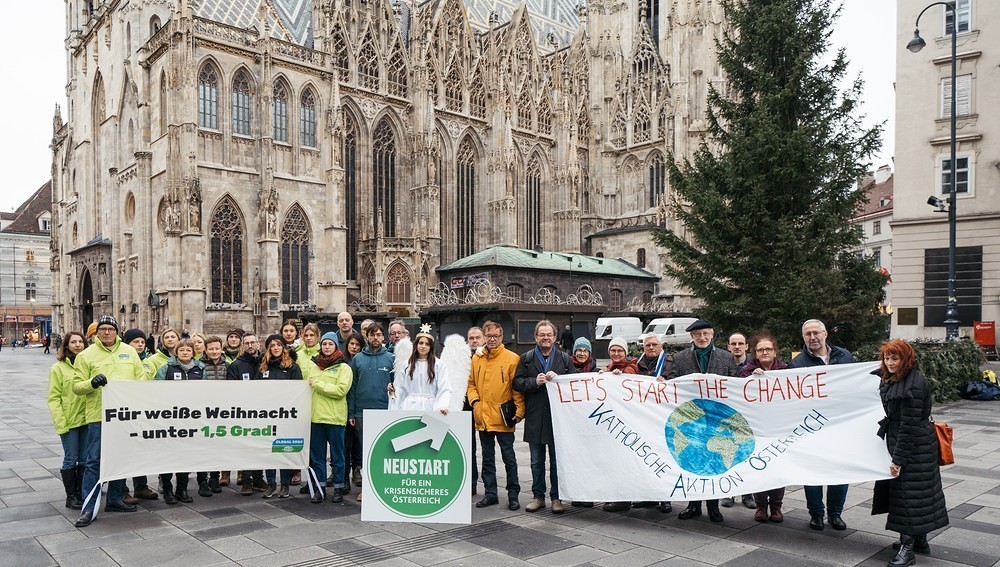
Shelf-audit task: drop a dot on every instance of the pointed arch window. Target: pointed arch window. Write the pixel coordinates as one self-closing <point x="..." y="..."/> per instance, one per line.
<point x="340" y="57"/>
<point x="477" y="98"/>
<point x="397" y="284"/>
<point x="533" y="204"/>
<point x="307" y="119"/>
<point x="641" y="125"/>
<point x="524" y="111"/>
<point x="618" y="131"/>
<point x="465" y="209"/>
<point x="351" y="192"/>
<point x="227" y="253"/>
<point x="295" y="257"/>
<point x="432" y="79"/>
<point x="544" y="116"/>
<point x="384" y="178"/>
<point x="583" y="126"/>
<point x="657" y="179"/>
<point x="661" y="123"/>
<point x="279" y="111"/>
<point x="396" y="74"/>
<point x="453" y="90"/>
<point x="208" y="97"/>
<point x="616" y="300"/>
<point x="368" y="65"/>
<point x="241" y="104"/>
<point x="640" y="258"/>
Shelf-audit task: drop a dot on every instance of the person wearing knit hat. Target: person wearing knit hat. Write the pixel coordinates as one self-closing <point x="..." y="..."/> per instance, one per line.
<point x="583" y="360"/>
<point x="232" y="344"/>
<point x="91" y="331"/>
<point x="330" y="378"/>
<point x="620" y="364"/>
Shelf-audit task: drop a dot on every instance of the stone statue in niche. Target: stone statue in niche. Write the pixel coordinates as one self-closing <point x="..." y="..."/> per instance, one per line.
<point x="194" y="205"/>
<point x="268" y="201"/>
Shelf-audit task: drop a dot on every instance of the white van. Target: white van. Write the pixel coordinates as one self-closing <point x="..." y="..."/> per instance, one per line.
<point x="628" y="328"/>
<point x="671" y="329"/>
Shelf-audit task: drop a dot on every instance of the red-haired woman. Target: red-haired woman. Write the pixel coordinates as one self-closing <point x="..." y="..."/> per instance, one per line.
<point x="278" y="364"/>
<point x="764" y="347"/>
<point x="913" y="497"/>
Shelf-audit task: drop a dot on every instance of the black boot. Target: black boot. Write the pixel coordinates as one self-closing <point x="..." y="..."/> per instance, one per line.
<point x="920" y="545"/>
<point x="714" y="514"/>
<point x="904" y="556"/>
<point x="80" y="469"/>
<point x="182" y="489"/>
<point x="693" y="510"/>
<point x="85" y="519"/>
<point x="73" y="501"/>
<point x="168" y="489"/>
<point x="319" y="494"/>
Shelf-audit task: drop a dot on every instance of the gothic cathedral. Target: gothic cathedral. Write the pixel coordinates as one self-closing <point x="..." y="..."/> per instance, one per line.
<point x="224" y="161"/>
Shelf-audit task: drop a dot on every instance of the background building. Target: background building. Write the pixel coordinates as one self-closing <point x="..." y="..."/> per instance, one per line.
<point x="25" y="278"/>
<point x="223" y="163"/>
<point x="875" y="218"/>
<point x="923" y="103"/>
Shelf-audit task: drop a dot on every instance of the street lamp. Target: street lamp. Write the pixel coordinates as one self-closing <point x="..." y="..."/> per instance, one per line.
<point x="915" y="45"/>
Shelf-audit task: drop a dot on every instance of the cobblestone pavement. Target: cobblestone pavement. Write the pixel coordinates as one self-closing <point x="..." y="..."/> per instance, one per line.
<point x="229" y="529"/>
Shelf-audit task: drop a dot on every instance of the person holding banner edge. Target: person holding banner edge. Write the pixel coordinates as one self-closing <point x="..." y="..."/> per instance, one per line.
<point x="913" y="497"/>
<point x="107" y="359"/>
<point x="654" y="362"/>
<point x="278" y="363"/>
<point x="702" y="358"/>
<point x="245" y="368"/>
<point x="534" y="369"/>
<point x="818" y="353"/>
<point x="181" y="366"/>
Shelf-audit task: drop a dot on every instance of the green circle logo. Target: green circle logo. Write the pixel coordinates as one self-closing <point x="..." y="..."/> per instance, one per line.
<point x="416" y="466"/>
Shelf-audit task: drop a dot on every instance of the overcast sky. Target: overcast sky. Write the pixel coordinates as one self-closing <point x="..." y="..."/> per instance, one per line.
<point x="35" y="71"/>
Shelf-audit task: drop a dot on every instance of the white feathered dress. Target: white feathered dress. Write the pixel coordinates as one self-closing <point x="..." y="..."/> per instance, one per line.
<point x="418" y="393"/>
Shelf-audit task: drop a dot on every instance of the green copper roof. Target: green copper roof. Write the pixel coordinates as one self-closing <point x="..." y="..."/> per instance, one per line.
<point x="523" y="259"/>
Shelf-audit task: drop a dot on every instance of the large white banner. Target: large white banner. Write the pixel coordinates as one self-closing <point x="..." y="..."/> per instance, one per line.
<point x="170" y="426"/>
<point x="703" y="436"/>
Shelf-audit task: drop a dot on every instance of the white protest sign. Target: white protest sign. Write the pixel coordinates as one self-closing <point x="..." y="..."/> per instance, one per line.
<point x="198" y="425"/>
<point x="417" y="466"/>
<point x="702" y="436"/>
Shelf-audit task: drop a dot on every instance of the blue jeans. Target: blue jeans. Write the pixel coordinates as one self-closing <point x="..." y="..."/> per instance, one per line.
<point x="836" y="495"/>
<point x="74" y="444"/>
<point x="489" y="440"/>
<point x="286" y="475"/>
<point x="537" y="451"/>
<point x="116" y="488"/>
<point x="321" y="436"/>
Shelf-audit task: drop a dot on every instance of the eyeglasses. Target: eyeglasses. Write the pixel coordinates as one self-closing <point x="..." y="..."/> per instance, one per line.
<point x="764" y="349"/>
<point x="493" y="337"/>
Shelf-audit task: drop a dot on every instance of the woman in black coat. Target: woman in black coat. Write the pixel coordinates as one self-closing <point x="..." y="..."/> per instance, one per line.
<point x="913" y="498"/>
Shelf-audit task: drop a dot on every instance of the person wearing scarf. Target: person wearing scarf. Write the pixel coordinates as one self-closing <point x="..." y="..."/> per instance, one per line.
<point x="582" y="359"/>
<point x="330" y="379"/>
<point x="69" y="415"/>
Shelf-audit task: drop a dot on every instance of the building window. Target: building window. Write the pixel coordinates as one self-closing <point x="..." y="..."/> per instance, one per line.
<point x="963" y="8"/>
<point x="30" y="291"/>
<point x="307" y="119"/>
<point x="46" y="225"/>
<point x="533" y="204"/>
<point x="544" y="116"/>
<point x="208" y="98"/>
<point x="341" y="59"/>
<point x="876" y="227"/>
<point x="453" y="90"/>
<point x="396" y="73"/>
<point x="465" y="209"/>
<point x="615" y="300"/>
<point x="640" y="258"/>
<point x="279" y="107"/>
<point x="398" y="284"/>
<point x="368" y="65"/>
<point x="351" y="193"/>
<point x="295" y="258"/>
<point x="384" y="179"/>
<point x="877" y="256"/>
<point x="477" y="99"/>
<point x="963" y="93"/>
<point x="29" y="256"/>
<point x="227" y="253"/>
<point x="963" y="178"/>
<point x="968" y="285"/>
<point x="657" y="179"/>
<point x="515" y="292"/>
<point x="241" y="104"/>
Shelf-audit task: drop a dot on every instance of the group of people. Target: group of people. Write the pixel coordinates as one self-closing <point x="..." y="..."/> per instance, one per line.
<point x="351" y="372"/>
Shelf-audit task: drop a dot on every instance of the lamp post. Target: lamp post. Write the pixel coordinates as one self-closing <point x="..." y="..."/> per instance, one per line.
<point x="915" y="45"/>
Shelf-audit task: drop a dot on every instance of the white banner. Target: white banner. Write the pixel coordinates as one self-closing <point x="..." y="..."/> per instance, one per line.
<point x="170" y="426"/>
<point x="703" y="436"/>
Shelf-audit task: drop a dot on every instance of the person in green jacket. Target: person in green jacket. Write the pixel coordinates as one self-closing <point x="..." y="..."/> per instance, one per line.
<point x="69" y="414"/>
<point x="168" y="342"/>
<point x="136" y="339"/>
<point x="330" y="382"/>
<point x="107" y="359"/>
<point x="307" y="348"/>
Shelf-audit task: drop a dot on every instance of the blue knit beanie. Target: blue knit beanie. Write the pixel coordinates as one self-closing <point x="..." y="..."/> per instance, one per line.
<point x="332" y="336"/>
<point x="582" y="342"/>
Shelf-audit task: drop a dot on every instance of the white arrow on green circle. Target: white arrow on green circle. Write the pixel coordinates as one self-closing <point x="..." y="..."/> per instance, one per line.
<point x="434" y="431"/>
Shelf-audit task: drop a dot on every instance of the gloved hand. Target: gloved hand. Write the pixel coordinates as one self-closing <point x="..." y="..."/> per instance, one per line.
<point x="98" y="381"/>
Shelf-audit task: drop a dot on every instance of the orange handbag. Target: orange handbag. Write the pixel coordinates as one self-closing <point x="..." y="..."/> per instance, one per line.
<point x="944" y="435"/>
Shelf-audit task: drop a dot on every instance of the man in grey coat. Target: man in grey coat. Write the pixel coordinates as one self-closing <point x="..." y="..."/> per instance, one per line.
<point x="702" y="358"/>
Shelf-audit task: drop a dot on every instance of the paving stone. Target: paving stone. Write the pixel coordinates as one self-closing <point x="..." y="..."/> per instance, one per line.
<point x="290" y="557"/>
<point x="175" y="550"/>
<point x="959" y="538"/>
<point x="651" y="535"/>
<point x="523" y="543"/>
<point x="637" y="557"/>
<point x="24" y="552"/>
<point x="487" y="559"/>
<point x="573" y="556"/>
<point x="236" y="529"/>
<point x="720" y="551"/>
<point x="238" y="547"/>
<point x="442" y="553"/>
<point x="604" y="543"/>
<point x="35" y="527"/>
<point x="807" y="543"/>
<point x="769" y="558"/>
<point x="310" y="534"/>
<point x="61" y="547"/>
<point x="86" y="558"/>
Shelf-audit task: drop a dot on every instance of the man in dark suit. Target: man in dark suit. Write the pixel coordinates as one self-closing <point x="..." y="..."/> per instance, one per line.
<point x="703" y="358"/>
<point x="536" y="367"/>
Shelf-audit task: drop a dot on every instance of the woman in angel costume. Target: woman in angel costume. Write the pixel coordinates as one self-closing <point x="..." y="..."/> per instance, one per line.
<point x="424" y="382"/>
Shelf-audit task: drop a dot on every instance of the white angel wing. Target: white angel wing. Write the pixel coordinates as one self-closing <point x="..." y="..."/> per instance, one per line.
<point x="402" y="352"/>
<point x="457" y="358"/>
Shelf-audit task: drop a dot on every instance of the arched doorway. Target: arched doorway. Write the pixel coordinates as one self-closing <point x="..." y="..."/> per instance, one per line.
<point x="86" y="300"/>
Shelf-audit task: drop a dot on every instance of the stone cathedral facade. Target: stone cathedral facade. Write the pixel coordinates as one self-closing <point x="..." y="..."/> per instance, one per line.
<point x="221" y="162"/>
